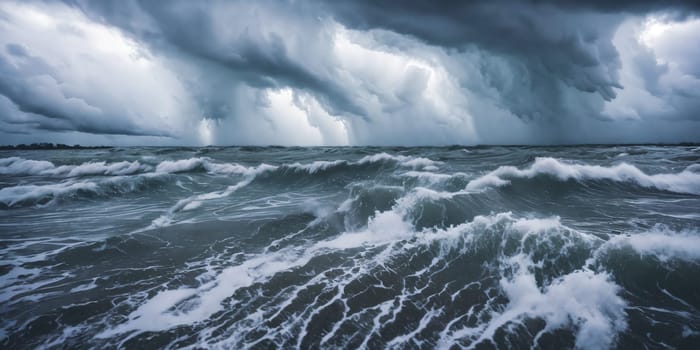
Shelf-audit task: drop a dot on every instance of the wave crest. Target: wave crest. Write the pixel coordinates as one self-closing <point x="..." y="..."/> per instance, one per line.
<point x="686" y="181"/>
<point x="20" y="166"/>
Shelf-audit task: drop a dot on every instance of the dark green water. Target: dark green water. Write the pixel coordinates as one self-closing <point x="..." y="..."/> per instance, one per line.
<point x="486" y="247"/>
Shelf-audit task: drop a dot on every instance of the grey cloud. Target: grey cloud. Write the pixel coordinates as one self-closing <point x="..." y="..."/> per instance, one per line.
<point x="250" y="53"/>
<point x="632" y="6"/>
<point x="551" y="45"/>
<point x="16" y="50"/>
<point x="571" y="47"/>
<point x="32" y="85"/>
<point x="542" y="70"/>
<point x="670" y="88"/>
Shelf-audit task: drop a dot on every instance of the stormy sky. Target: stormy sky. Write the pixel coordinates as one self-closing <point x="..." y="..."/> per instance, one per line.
<point x="361" y="72"/>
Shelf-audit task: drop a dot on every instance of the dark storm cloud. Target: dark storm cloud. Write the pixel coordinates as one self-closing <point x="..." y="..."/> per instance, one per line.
<point x="555" y="47"/>
<point x="456" y="71"/>
<point x="572" y="47"/>
<point x="190" y="30"/>
<point x="555" y="41"/>
<point x="633" y="6"/>
<point x="32" y="85"/>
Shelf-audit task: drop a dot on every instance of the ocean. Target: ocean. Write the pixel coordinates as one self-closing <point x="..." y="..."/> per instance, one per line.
<point x="587" y="247"/>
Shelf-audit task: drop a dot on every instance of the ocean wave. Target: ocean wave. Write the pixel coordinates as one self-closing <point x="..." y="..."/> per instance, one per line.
<point x="252" y="173"/>
<point x="567" y="298"/>
<point x="41" y="194"/>
<point x="379" y="158"/>
<point x="202" y="164"/>
<point x="584" y="300"/>
<point x="662" y="243"/>
<point x="351" y="248"/>
<point x="405" y="161"/>
<point x="46" y="194"/>
<point x="316" y="166"/>
<point x="27" y="195"/>
<point x="20" y="166"/>
<point x="686" y="181"/>
<point x="196" y="201"/>
<point x="208" y="165"/>
<point x="541" y="279"/>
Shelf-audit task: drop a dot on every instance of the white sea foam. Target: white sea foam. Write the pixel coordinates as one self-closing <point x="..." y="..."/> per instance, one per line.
<point x="195" y="201"/>
<point x="174" y="166"/>
<point x="20" y="166"/>
<point x="577" y="298"/>
<point x="583" y="299"/>
<point x="251" y="173"/>
<point x="192" y="205"/>
<point x="406" y="161"/>
<point x="180" y="165"/>
<point x="686" y="181"/>
<point x="11" y="196"/>
<point x="383" y="227"/>
<point x="101" y="168"/>
<point x="662" y="243"/>
<point x="316" y="166"/>
<point x="185" y="165"/>
<point x="156" y="313"/>
<point x="48" y="193"/>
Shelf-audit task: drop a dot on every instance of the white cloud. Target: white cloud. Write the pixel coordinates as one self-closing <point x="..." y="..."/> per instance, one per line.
<point x="293" y="74"/>
<point x="89" y="75"/>
<point x="660" y="71"/>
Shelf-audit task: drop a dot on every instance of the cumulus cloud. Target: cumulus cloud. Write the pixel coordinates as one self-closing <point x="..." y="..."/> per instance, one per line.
<point x="351" y="72"/>
<point x="62" y="72"/>
<point x="661" y="69"/>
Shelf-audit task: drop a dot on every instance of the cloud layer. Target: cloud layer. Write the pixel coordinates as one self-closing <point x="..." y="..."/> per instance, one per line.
<point x="349" y="72"/>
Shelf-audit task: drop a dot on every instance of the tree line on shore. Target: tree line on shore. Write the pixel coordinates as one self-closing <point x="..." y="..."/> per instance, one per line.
<point x="47" y="145"/>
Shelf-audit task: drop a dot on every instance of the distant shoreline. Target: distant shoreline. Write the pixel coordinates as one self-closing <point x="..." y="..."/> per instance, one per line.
<point x="48" y="146"/>
<point x="60" y="146"/>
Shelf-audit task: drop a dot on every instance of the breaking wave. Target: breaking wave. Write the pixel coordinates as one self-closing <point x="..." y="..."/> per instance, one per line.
<point x="47" y="194"/>
<point x="568" y="298"/>
<point x="20" y="166"/>
<point x="687" y="181"/>
<point x="350" y="248"/>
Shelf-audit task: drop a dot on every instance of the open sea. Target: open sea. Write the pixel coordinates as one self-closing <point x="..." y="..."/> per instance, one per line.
<point x="589" y="247"/>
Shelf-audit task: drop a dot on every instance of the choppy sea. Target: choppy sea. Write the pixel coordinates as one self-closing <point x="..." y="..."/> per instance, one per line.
<point x="588" y="247"/>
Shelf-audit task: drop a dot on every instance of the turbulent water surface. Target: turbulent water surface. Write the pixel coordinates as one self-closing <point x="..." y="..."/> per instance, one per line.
<point x="557" y="247"/>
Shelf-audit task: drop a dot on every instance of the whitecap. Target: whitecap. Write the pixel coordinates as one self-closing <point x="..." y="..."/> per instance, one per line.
<point x="20" y="166"/>
<point x="683" y="182"/>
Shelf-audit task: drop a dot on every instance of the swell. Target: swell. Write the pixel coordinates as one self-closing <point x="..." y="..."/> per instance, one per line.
<point x="143" y="174"/>
<point x="686" y="181"/>
<point x="48" y="194"/>
<point x="492" y="279"/>
<point x="279" y="175"/>
<point x="529" y="270"/>
<point x="422" y="170"/>
<point x="539" y="268"/>
<point x="28" y="167"/>
<point x="18" y="166"/>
